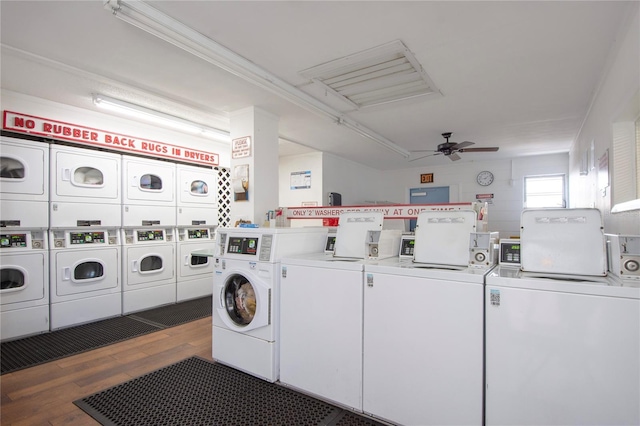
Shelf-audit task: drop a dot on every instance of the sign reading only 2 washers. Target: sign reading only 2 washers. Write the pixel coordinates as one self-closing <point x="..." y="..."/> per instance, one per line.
<point x="241" y="147"/>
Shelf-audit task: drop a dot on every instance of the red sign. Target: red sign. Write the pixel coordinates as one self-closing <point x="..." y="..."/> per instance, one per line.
<point x="32" y="125"/>
<point x="395" y="211"/>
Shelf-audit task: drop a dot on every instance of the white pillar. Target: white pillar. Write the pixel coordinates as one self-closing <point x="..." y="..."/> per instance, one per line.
<point x="261" y="165"/>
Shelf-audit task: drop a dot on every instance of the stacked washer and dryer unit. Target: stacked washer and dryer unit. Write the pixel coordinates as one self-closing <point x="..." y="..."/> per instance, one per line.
<point x="24" y="255"/>
<point x="562" y="336"/>
<point x="84" y="211"/>
<point x="246" y="298"/>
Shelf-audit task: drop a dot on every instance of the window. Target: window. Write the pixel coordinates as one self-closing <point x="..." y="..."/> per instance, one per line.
<point x="544" y="191"/>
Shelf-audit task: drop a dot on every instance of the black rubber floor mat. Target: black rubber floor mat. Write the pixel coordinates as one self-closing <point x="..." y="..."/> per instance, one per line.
<point x="29" y="351"/>
<point x="179" y="313"/>
<point x="196" y="391"/>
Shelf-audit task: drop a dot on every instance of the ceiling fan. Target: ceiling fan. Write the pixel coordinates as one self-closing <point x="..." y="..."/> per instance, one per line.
<point x="451" y="149"/>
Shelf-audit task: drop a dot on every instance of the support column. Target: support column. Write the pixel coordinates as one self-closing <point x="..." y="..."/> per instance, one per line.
<point x="254" y="176"/>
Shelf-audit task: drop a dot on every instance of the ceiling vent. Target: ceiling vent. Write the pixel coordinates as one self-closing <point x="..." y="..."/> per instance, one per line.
<point x="375" y="76"/>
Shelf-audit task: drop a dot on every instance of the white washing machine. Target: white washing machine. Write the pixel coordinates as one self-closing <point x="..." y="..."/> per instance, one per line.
<point x="562" y="339"/>
<point x="196" y="196"/>
<point x="148" y="188"/>
<point x="423" y="343"/>
<point x="148" y="268"/>
<point x="24" y="186"/>
<point x="85" y="188"/>
<point x="195" y="271"/>
<point x="84" y="275"/>
<point x="561" y="351"/>
<point x="322" y="315"/>
<point x="24" y="291"/>
<point x="246" y="294"/>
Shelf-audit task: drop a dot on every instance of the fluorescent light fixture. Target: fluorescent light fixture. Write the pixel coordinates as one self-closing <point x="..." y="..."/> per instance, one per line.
<point x="158" y="117"/>
<point x="368" y="133"/>
<point x="151" y="20"/>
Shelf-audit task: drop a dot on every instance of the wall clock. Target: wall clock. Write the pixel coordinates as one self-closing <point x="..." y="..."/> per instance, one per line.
<point x="484" y="178"/>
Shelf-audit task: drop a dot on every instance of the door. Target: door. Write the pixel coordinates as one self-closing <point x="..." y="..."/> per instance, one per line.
<point x="193" y="265"/>
<point x="83" y="175"/>
<point x="196" y="186"/>
<point x="148" y="181"/>
<point x="23" y="277"/>
<point x="79" y="272"/>
<point x="24" y="168"/>
<point x="437" y="195"/>
<point x="243" y="301"/>
<point x="149" y="265"/>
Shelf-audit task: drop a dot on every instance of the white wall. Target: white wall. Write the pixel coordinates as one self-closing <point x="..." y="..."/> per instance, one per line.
<point x="620" y="82"/>
<point x="355" y="182"/>
<point x="507" y="187"/>
<point x="311" y="162"/>
<point x="25" y="104"/>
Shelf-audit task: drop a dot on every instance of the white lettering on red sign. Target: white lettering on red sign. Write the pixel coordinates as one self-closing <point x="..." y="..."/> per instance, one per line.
<point x="32" y="125"/>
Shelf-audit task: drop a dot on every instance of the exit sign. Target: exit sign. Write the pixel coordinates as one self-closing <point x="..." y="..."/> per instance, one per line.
<point x="426" y="178"/>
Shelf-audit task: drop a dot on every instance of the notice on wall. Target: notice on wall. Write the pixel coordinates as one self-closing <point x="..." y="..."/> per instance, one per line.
<point x="301" y="180"/>
<point x="29" y="124"/>
<point x="241" y="147"/>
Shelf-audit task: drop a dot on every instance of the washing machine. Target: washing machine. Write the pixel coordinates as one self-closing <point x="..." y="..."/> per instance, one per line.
<point x="196" y="197"/>
<point x="246" y="294"/>
<point x="24" y="186"/>
<point x="423" y="326"/>
<point x="24" y="291"/>
<point x="148" y="193"/>
<point x="85" y="276"/>
<point x="322" y="315"/>
<point x="149" y="268"/>
<point x="85" y="188"/>
<point x="194" y="265"/>
<point x="562" y="339"/>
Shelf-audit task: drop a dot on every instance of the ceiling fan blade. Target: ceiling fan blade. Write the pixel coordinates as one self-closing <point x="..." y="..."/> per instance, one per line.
<point x="424" y="156"/>
<point x="488" y="149"/>
<point x="461" y="145"/>
<point x="454" y="157"/>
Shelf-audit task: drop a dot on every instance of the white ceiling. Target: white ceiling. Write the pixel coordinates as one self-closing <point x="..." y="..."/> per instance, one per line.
<point x="516" y="75"/>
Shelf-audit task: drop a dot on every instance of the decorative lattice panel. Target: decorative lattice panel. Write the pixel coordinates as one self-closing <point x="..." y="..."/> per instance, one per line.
<point x="224" y="196"/>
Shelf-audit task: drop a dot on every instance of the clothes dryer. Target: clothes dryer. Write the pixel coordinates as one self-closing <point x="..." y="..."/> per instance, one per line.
<point x="24" y="186"/>
<point x="148" y="276"/>
<point x="561" y="350"/>
<point x="84" y="275"/>
<point x="24" y="291"/>
<point x="148" y="192"/>
<point x="196" y="198"/>
<point x="195" y="271"/>
<point x="85" y="188"/>
<point x="246" y="294"/>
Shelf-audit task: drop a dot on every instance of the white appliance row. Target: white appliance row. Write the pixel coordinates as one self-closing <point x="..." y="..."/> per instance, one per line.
<point x="106" y="225"/>
<point x="68" y="187"/>
<point x="398" y="338"/>
<point x="57" y="278"/>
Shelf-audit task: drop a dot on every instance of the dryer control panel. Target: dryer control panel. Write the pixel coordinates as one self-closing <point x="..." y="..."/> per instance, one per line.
<point x="13" y="240"/>
<point x="197" y="234"/>
<point x="151" y="235"/>
<point x="86" y="237"/>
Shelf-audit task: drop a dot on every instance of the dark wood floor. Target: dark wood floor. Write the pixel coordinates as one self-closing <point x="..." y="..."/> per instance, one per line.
<point x="44" y="394"/>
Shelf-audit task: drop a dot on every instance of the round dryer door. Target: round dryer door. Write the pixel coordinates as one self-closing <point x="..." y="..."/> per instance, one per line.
<point x="245" y="303"/>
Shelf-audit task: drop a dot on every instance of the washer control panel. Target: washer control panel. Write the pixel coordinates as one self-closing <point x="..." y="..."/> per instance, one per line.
<point x="510" y="251"/>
